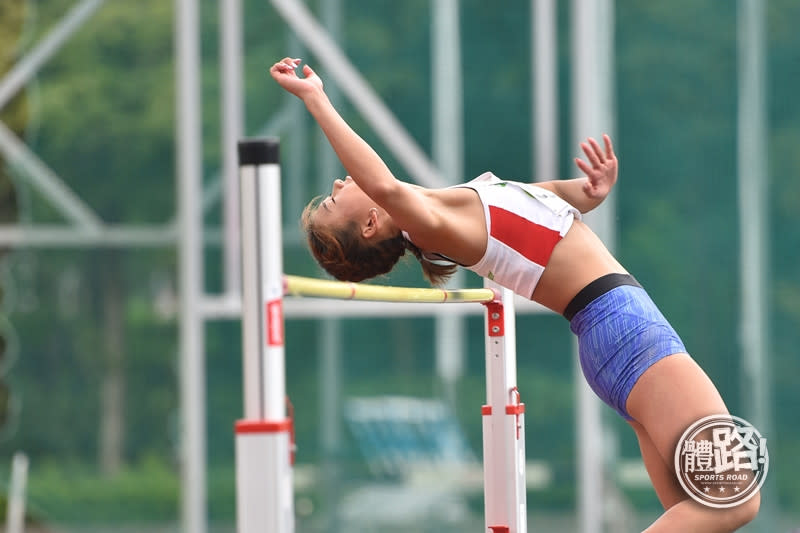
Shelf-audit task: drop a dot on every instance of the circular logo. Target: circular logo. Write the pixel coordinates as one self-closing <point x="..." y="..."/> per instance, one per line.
<point x="721" y="461"/>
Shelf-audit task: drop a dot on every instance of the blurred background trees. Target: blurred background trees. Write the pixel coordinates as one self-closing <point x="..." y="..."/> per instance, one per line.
<point x="15" y="116"/>
<point x="96" y="376"/>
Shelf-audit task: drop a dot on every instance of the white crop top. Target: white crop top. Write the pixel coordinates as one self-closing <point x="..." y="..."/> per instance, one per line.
<point x="524" y="223"/>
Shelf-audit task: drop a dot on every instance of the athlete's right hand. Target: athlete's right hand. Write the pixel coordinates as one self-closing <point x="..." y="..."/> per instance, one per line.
<point x="284" y="73"/>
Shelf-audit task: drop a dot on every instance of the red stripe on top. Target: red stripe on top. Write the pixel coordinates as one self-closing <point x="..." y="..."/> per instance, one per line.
<point x="533" y="241"/>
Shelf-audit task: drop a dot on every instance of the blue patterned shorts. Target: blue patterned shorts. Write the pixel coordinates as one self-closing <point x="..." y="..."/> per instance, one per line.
<point x="621" y="334"/>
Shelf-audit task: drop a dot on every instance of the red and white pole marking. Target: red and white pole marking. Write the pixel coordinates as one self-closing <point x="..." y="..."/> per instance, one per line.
<point x="264" y="437"/>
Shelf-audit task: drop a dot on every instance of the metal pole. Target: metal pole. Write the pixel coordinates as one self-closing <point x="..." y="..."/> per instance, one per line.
<point x="545" y="94"/>
<point x="17" y="488"/>
<point x="754" y="233"/>
<point x="190" y="252"/>
<point x="330" y="340"/>
<point x="47" y="236"/>
<point x="295" y="191"/>
<point x="448" y="129"/>
<point x="250" y="310"/>
<point x="504" y="490"/>
<point x="264" y="453"/>
<point x="589" y="443"/>
<point x="448" y="155"/>
<point x="230" y="16"/>
<point x="591" y="111"/>
<point x="330" y="386"/>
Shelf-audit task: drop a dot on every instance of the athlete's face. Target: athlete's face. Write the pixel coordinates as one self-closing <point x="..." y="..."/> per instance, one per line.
<point x="347" y="202"/>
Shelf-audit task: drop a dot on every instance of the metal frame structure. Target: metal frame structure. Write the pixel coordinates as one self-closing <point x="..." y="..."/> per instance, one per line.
<point x="87" y="230"/>
<point x="83" y="228"/>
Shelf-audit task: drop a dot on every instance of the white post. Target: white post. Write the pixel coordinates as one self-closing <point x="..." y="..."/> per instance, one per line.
<point x="503" y="422"/>
<point x="448" y="155"/>
<point x="544" y="44"/>
<point x="263" y="438"/>
<point x="592" y="111"/>
<point x="232" y="120"/>
<point x="754" y="253"/>
<point x="190" y="256"/>
<point x="15" y="515"/>
<point x="329" y="345"/>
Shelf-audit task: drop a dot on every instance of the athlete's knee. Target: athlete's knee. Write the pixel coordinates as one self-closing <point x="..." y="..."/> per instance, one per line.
<point x="742" y="514"/>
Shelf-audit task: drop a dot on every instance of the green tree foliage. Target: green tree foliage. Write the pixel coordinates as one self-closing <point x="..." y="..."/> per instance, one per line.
<point x="14" y="116"/>
<point x="104" y="114"/>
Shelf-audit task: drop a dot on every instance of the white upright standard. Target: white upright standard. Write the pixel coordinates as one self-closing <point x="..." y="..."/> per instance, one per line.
<point x="264" y="437"/>
<point x="504" y="486"/>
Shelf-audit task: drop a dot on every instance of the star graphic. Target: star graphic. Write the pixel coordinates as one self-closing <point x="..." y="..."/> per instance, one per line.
<point x="736" y="489"/>
<point x="722" y="489"/>
<point x="708" y="489"/>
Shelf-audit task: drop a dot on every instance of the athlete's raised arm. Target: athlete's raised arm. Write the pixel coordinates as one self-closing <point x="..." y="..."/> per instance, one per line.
<point x="362" y="163"/>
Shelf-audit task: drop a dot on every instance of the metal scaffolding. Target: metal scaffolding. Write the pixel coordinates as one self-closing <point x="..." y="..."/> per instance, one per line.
<point x="593" y="112"/>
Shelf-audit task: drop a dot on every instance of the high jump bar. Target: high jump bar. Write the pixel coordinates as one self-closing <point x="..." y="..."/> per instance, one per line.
<point x="320" y="288"/>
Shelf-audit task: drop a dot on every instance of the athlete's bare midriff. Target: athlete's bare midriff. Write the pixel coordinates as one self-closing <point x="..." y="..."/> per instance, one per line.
<point x="577" y="260"/>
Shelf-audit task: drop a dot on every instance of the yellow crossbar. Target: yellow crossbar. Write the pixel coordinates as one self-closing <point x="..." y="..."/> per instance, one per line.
<point x="300" y="286"/>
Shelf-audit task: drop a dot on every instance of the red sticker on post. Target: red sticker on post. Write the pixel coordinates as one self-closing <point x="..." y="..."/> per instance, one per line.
<point x="274" y="325"/>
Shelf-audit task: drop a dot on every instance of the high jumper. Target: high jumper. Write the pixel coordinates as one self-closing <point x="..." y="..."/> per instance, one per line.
<point x="529" y="238"/>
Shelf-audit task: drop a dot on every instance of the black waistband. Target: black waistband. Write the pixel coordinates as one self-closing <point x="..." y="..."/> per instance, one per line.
<point x="595" y="289"/>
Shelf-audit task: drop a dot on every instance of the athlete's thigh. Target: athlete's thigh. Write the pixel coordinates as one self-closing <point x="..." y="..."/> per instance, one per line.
<point x="671" y="395"/>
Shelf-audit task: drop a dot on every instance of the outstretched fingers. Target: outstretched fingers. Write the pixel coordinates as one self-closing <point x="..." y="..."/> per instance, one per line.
<point x="591" y="153"/>
<point x="609" y="147"/>
<point x="599" y="158"/>
<point x="285" y="65"/>
<point x="594" y="153"/>
<point x="585" y="168"/>
<point x="291" y="62"/>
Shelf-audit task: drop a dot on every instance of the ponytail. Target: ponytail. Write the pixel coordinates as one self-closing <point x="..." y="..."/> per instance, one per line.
<point x="436" y="273"/>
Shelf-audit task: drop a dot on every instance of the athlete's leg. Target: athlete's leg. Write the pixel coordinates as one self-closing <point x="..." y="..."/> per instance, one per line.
<point x="670" y="396"/>
<point x="666" y="485"/>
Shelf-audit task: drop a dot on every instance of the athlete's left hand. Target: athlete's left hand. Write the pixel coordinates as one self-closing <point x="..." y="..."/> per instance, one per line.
<point x="601" y="170"/>
<point x="284" y="72"/>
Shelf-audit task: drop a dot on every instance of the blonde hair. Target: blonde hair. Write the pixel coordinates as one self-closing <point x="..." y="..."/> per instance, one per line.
<point x="347" y="256"/>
